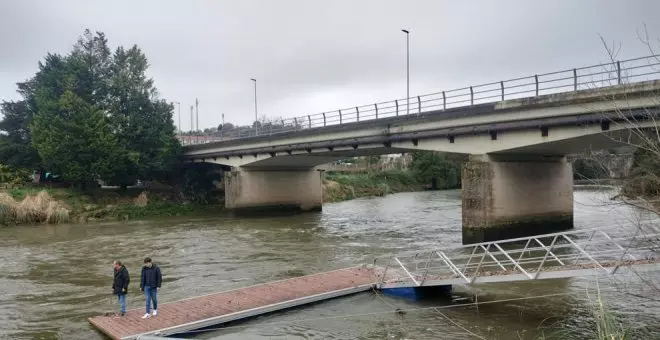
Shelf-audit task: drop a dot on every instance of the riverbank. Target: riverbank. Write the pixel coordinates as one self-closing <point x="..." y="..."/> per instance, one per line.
<point x="64" y="205"/>
<point x="338" y="186"/>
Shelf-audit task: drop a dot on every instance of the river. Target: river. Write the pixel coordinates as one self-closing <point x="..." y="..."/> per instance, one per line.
<point x="54" y="277"/>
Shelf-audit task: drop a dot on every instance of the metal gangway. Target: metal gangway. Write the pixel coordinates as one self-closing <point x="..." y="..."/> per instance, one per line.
<point x="549" y="256"/>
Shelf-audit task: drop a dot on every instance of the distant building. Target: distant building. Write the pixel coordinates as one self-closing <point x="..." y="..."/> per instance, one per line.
<point x="191" y="140"/>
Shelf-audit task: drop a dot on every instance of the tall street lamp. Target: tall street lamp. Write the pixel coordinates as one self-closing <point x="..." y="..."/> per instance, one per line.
<point x="407" y="70"/>
<point x="179" y="105"/>
<point x="256" y="125"/>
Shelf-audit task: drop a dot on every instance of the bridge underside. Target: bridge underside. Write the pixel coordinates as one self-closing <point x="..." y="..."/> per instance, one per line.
<point x="249" y="190"/>
<point x="549" y="141"/>
<point x="519" y="183"/>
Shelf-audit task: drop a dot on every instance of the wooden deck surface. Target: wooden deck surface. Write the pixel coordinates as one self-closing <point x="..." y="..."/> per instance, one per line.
<point x="194" y="313"/>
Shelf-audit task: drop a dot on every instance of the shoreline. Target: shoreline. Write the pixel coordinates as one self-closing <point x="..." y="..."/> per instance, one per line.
<point x="39" y="205"/>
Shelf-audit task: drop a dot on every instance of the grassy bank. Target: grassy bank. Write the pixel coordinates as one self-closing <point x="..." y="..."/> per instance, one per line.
<point x="65" y="205"/>
<point x="38" y="205"/>
<point x="345" y="186"/>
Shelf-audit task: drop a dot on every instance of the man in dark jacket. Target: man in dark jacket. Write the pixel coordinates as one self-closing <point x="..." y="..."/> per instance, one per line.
<point x="120" y="285"/>
<point x="149" y="283"/>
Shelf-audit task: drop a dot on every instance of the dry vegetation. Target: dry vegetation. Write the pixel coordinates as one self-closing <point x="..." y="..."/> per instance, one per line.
<point x="51" y="205"/>
<point x="39" y="208"/>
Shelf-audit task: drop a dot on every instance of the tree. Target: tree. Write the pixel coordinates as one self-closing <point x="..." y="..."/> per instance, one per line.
<point x="74" y="139"/>
<point x="439" y="170"/>
<point x="16" y="150"/>
<point x="69" y="127"/>
<point x="91" y="64"/>
<point x="143" y="123"/>
<point x="226" y="127"/>
<point x="96" y="110"/>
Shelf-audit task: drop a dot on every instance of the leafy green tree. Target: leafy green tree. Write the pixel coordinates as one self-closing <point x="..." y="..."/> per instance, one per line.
<point x="226" y="127"/>
<point x="439" y="170"/>
<point x="16" y="150"/>
<point x="143" y="123"/>
<point x="92" y="113"/>
<point x="74" y="139"/>
<point x="90" y="63"/>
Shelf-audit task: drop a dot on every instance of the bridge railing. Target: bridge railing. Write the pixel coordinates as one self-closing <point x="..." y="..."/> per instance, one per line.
<point x="589" y="77"/>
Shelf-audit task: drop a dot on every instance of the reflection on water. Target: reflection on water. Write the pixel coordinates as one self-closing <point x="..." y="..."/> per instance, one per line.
<point x="54" y="277"/>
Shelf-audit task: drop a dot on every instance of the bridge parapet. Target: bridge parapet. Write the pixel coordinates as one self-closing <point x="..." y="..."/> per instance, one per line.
<point x="597" y="76"/>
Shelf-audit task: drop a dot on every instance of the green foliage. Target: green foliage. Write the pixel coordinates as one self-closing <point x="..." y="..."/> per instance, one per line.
<point x="74" y="139"/>
<point x="13" y="176"/>
<point x="441" y="171"/>
<point x="143" y="123"/>
<point x="198" y="184"/>
<point x="344" y="186"/>
<point x="16" y="150"/>
<point x="5" y="174"/>
<point x="428" y="169"/>
<point x="91" y="114"/>
<point x="159" y="209"/>
<point x="226" y="127"/>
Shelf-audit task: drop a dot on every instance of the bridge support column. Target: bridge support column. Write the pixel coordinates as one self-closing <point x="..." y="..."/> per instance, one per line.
<point x="515" y="196"/>
<point x="259" y="190"/>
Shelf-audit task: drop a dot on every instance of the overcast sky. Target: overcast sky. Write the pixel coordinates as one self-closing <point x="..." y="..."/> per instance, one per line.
<point x="311" y="56"/>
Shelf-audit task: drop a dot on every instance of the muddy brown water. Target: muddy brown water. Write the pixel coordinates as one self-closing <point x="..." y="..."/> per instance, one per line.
<point x="53" y="277"/>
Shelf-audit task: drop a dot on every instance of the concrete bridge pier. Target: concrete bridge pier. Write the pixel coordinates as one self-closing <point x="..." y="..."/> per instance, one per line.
<point x="249" y="189"/>
<point x="510" y="196"/>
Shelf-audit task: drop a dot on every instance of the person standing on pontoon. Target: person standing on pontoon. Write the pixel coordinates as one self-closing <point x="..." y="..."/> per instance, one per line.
<point x="150" y="283"/>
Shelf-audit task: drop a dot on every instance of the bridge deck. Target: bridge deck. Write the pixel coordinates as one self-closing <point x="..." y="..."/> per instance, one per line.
<point x="199" y="312"/>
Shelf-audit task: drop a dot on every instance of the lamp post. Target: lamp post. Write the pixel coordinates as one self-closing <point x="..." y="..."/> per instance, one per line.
<point x="192" y="125"/>
<point x="407" y="70"/>
<point x="179" y="105"/>
<point x="256" y="125"/>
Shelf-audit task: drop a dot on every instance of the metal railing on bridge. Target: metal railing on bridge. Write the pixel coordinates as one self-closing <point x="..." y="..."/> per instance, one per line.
<point x="589" y="77"/>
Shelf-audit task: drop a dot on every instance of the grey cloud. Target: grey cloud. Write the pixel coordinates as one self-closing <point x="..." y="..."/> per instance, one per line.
<point x="313" y="56"/>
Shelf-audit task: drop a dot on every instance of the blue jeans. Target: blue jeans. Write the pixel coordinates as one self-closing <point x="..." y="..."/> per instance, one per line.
<point x="150" y="295"/>
<point x="122" y="302"/>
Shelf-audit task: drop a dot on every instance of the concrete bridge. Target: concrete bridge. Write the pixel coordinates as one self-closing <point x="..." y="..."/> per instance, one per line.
<point x="517" y="181"/>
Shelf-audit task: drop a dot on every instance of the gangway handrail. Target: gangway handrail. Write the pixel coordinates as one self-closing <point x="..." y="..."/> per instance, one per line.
<point x="562" y="254"/>
<point x="519" y="239"/>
